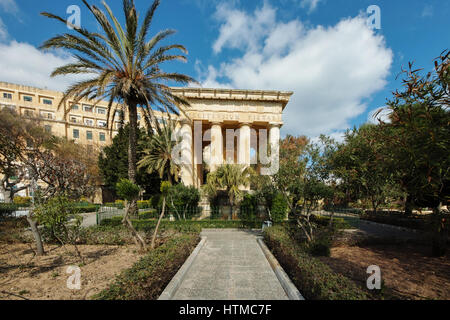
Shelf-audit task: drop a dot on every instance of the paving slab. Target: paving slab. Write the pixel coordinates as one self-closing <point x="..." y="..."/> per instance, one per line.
<point x="230" y="266"/>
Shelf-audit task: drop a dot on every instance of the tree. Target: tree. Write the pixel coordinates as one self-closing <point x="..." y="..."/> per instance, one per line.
<point x="126" y="65"/>
<point x="21" y="141"/>
<point x="229" y="177"/>
<point x="292" y="168"/>
<point x="165" y="188"/>
<point x="54" y="214"/>
<point x="358" y="162"/>
<point x="157" y="153"/>
<point x="129" y="191"/>
<point x="418" y="141"/>
<point x="62" y="167"/>
<point x="418" y="136"/>
<point x="113" y="163"/>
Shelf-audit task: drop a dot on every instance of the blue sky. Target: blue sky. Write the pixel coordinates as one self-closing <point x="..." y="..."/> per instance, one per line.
<point x="339" y="69"/>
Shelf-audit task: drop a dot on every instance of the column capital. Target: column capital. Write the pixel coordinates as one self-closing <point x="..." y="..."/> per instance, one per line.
<point x="243" y="124"/>
<point x="275" y="125"/>
<point x="186" y="121"/>
<point x="216" y="123"/>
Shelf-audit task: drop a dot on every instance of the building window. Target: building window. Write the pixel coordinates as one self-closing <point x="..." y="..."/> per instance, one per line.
<point x="102" y="136"/>
<point x="7" y="96"/>
<point x="118" y="114"/>
<point x="47" y="101"/>
<point x="27" y="98"/>
<point x="47" y="115"/>
<point x="87" y="108"/>
<point x="48" y="129"/>
<point x="76" y="133"/>
<point x="101" y="110"/>
<point x="29" y="113"/>
<point x="89" y="122"/>
<point x="75" y="107"/>
<point x="73" y="119"/>
<point x="139" y="117"/>
<point x="89" y="135"/>
<point x="101" y="123"/>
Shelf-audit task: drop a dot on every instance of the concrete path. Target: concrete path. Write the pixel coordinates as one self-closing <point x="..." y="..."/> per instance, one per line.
<point x="230" y="266"/>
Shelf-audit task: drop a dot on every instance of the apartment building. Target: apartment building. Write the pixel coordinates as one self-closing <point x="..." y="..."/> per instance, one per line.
<point x="83" y="122"/>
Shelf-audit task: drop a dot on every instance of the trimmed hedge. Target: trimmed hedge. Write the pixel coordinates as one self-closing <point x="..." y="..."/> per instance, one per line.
<point x="416" y="222"/>
<point x="185" y="225"/>
<point x="314" y="279"/>
<point x="147" y="279"/>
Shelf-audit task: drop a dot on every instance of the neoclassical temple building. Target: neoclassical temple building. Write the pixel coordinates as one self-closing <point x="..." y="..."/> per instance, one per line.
<point x="221" y="126"/>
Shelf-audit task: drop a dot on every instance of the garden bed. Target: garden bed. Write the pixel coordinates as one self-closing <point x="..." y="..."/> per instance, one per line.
<point x="314" y="279"/>
<point x="147" y="279"/>
<point x="407" y="270"/>
<point x="26" y="276"/>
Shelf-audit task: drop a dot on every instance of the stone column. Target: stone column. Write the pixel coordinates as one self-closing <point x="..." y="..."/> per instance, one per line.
<point x="216" y="146"/>
<point x="244" y="145"/>
<point x="274" y="142"/>
<point x="187" y="173"/>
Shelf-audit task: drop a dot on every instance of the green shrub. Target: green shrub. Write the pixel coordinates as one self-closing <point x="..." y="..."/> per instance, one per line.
<point x="146" y="279"/>
<point x="22" y="201"/>
<point x="144" y="204"/>
<point x="127" y="190"/>
<point x="6" y="209"/>
<point x="248" y="208"/>
<point x="150" y="214"/>
<point x="279" y="208"/>
<point x="156" y="201"/>
<point x="314" y="279"/>
<point x="185" y="225"/>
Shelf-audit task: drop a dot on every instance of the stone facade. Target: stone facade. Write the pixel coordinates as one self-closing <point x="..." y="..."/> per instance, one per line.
<point x="216" y="118"/>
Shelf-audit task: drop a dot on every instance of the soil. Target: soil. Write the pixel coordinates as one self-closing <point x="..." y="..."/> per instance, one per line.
<point x="23" y="275"/>
<point x="407" y="271"/>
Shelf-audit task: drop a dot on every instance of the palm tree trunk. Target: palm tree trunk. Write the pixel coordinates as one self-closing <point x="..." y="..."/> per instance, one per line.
<point x="132" y="168"/>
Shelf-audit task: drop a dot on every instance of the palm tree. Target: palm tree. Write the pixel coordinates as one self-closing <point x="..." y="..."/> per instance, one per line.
<point x="157" y="153"/>
<point x="124" y="67"/>
<point x="230" y="178"/>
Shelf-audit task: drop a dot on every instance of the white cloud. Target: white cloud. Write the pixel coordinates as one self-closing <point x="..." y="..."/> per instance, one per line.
<point x="24" y="64"/>
<point x="379" y="114"/>
<point x="310" y="4"/>
<point x="332" y="71"/>
<point x="9" y="6"/>
<point x="427" y="11"/>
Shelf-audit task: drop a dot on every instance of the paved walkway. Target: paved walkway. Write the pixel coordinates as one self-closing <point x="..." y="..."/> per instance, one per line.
<point x="230" y="266"/>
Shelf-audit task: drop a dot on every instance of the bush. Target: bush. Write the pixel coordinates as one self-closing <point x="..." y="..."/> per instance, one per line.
<point x="185" y="225"/>
<point x="248" y="208"/>
<point x="127" y="189"/>
<point x="182" y="201"/>
<point x="155" y="201"/>
<point x="6" y="209"/>
<point x="314" y="279"/>
<point x="22" y="201"/>
<point x="54" y="215"/>
<point x="144" y="204"/>
<point x="87" y="208"/>
<point x="279" y="208"/>
<point x="147" y="279"/>
<point x="151" y="214"/>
